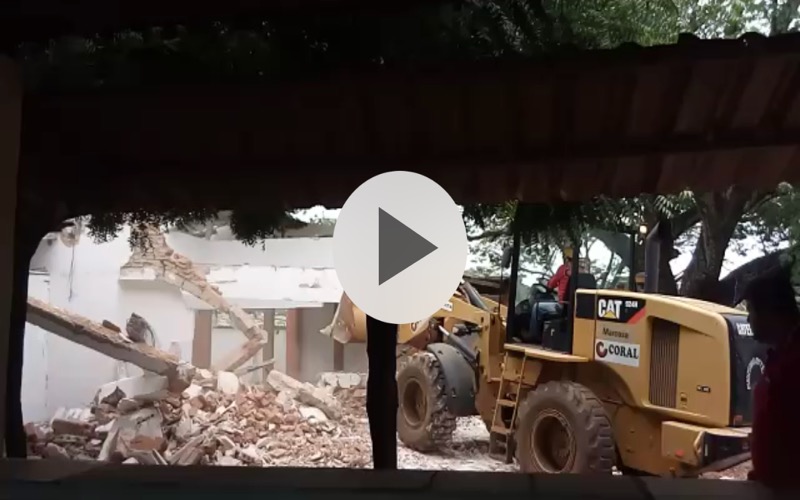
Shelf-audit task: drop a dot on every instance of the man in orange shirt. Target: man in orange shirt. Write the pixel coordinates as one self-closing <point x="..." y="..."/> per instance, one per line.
<point x="775" y="321"/>
<point x="560" y="279"/>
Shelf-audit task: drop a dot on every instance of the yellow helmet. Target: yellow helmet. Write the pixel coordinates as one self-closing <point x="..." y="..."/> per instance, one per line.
<point x="567" y="252"/>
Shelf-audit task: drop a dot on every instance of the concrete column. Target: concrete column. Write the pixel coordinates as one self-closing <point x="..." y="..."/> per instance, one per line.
<point x="201" y="343"/>
<point x="10" y="121"/>
<point x="293" y="343"/>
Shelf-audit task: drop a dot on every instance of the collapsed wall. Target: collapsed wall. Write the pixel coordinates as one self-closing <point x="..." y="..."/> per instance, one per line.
<point x="216" y="420"/>
<point x="152" y="251"/>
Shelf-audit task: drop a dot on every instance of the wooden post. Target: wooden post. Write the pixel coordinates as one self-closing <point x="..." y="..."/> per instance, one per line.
<point x="293" y="343"/>
<point x="201" y="343"/>
<point x="10" y="122"/>
<point x="268" y="351"/>
<point x="382" y="392"/>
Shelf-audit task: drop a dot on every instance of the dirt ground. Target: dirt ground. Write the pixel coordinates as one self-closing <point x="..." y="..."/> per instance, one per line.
<point x="217" y="421"/>
<point x="470" y="453"/>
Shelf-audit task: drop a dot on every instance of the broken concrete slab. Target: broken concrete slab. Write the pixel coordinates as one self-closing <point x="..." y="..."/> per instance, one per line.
<point x="146" y="387"/>
<point x="279" y="381"/>
<point x="76" y="414"/>
<point x="190" y="453"/>
<point x="306" y="393"/>
<point x="319" y="398"/>
<point x="55" y="451"/>
<point x="227" y="461"/>
<point x="342" y="380"/>
<point x="226" y="443"/>
<point x="132" y="433"/>
<point x="127" y="405"/>
<point x="95" y="336"/>
<point x="227" y="383"/>
<point x="312" y="415"/>
<point x="192" y="391"/>
<point x="62" y="426"/>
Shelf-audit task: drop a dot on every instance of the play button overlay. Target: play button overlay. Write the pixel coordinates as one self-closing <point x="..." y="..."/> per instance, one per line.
<point x="400" y="247"/>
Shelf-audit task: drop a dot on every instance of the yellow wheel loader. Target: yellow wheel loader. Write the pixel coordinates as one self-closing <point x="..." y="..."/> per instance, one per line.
<point x="648" y="383"/>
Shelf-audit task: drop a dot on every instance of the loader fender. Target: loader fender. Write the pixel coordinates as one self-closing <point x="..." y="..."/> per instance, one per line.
<point x="459" y="379"/>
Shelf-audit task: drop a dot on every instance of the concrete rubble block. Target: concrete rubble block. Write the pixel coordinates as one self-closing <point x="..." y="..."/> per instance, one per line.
<point x="312" y="415"/>
<point x="319" y="398"/>
<point x="132" y="433"/>
<point x="190" y="453"/>
<point x="77" y="414"/>
<point x="226" y="443"/>
<point x="181" y="377"/>
<point x="186" y="428"/>
<point x="146" y="387"/>
<point x="306" y="393"/>
<point x="285" y="400"/>
<point x="206" y="379"/>
<point x="36" y="432"/>
<point x="227" y="383"/>
<point x="227" y="461"/>
<point x="127" y="405"/>
<point x="62" y="426"/>
<point x="250" y="455"/>
<point x="342" y="380"/>
<point x="55" y="451"/>
<point x="192" y="391"/>
<point x="279" y="381"/>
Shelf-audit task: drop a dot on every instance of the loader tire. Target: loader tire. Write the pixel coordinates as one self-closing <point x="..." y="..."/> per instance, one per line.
<point x="564" y="429"/>
<point x="423" y="421"/>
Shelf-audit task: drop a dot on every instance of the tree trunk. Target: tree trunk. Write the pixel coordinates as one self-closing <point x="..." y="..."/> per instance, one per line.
<point x="619" y="243"/>
<point x="721" y="213"/>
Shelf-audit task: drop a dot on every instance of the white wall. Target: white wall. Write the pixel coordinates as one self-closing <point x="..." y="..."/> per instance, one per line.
<point x="290" y="252"/>
<point x="317" y="349"/>
<point x="84" y="279"/>
<point x="34" y="379"/>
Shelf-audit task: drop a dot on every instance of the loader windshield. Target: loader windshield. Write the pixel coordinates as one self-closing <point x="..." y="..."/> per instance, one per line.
<point x="543" y="277"/>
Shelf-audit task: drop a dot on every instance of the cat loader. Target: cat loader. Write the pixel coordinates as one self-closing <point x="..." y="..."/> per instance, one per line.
<point x="632" y="380"/>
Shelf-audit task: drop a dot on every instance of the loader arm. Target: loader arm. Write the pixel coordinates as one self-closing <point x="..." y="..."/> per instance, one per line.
<point x="349" y="324"/>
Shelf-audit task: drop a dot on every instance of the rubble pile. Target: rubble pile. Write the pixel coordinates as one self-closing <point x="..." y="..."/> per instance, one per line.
<point x="215" y="421"/>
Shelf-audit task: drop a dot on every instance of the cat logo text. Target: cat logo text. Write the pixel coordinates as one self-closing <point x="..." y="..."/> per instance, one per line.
<point x="609" y="308"/>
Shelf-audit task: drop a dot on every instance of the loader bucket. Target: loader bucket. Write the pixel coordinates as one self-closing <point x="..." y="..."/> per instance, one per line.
<point x="349" y="323"/>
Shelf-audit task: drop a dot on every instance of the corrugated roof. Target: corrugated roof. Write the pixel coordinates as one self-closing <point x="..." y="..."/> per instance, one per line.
<point x="699" y="114"/>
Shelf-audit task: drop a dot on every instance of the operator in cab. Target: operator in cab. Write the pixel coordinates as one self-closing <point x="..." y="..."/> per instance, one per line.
<point x="560" y="279"/>
<point x="775" y="320"/>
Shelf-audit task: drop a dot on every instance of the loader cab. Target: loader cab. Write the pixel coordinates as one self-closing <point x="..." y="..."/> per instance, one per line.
<point x="538" y="317"/>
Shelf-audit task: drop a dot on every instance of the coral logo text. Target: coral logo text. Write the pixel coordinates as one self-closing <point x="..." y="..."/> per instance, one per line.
<point x="620" y="353"/>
